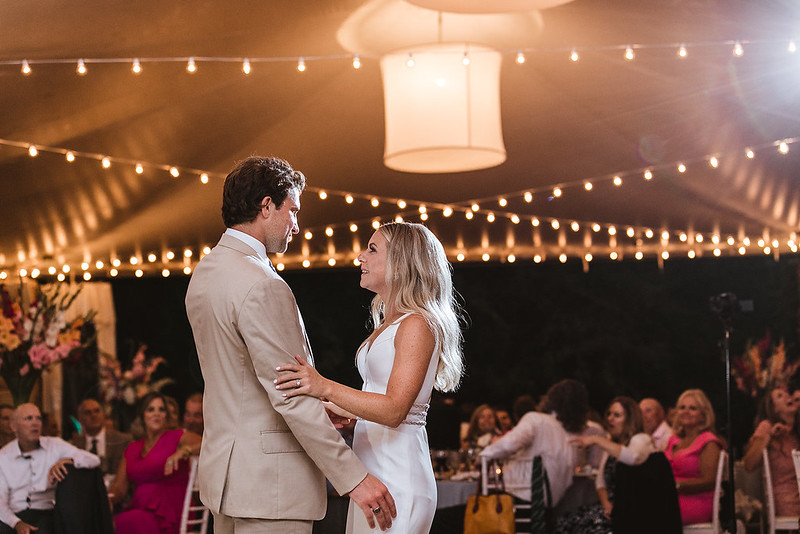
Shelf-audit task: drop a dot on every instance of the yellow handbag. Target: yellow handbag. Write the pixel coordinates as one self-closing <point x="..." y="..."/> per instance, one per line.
<point x="489" y="514"/>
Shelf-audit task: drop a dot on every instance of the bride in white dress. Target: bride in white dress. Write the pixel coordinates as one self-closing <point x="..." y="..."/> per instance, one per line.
<point x="415" y="346"/>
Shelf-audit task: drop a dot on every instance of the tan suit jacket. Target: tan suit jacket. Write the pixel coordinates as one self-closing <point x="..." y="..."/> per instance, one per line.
<point x="262" y="456"/>
<point x="116" y="443"/>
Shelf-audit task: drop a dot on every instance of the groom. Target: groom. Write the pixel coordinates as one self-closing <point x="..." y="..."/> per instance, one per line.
<point x="264" y="458"/>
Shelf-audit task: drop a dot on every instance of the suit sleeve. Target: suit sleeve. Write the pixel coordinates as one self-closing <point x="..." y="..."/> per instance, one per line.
<point x="270" y="325"/>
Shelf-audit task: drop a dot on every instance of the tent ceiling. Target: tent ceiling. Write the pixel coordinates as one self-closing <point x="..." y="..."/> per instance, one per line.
<point x="564" y="122"/>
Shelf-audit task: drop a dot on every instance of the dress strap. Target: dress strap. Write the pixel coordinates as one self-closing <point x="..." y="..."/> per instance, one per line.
<point x="397" y="321"/>
<point x="417" y="415"/>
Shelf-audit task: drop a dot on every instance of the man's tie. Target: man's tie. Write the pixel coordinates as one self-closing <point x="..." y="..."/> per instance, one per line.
<point x="93" y="449"/>
<point x="538" y="524"/>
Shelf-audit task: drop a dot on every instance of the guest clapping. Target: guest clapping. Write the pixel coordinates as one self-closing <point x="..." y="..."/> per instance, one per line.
<point x="158" y="468"/>
<point x="693" y="452"/>
<point x="777" y="432"/>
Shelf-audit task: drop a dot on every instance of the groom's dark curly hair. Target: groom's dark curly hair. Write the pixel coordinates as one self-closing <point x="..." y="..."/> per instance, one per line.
<point x="253" y="179"/>
<point x="570" y="402"/>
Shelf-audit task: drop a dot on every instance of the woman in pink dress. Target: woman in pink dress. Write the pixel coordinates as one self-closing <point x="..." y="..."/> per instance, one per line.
<point x="157" y="466"/>
<point x="693" y="452"/>
<point x="777" y="432"/>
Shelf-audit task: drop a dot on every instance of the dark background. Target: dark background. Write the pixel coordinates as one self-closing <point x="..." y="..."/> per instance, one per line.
<point x="622" y="328"/>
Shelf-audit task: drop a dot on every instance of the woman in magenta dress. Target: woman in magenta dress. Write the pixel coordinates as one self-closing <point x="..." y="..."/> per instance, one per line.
<point x="158" y="468"/>
<point x="693" y="452"/>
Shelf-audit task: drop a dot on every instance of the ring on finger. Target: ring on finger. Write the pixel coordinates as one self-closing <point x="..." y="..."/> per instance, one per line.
<point x="297" y="382"/>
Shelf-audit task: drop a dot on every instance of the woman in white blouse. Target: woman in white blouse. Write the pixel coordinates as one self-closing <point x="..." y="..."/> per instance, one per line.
<point x="627" y="444"/>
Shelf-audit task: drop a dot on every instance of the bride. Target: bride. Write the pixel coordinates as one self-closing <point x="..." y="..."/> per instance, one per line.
<point x="414" y="347"/>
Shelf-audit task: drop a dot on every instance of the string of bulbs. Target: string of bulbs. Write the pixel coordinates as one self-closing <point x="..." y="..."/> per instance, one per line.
<point x="629" y="51"/>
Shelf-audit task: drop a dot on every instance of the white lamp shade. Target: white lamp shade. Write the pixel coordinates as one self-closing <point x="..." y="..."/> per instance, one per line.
<point x="486" y="6"/>
<point x="441" y="115"/>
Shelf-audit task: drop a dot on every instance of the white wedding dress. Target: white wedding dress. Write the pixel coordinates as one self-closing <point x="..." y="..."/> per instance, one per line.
<point x="400" y="456"/>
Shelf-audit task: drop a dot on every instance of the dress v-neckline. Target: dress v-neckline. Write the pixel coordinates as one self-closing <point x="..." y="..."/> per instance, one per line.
<point x="385" y="329"/>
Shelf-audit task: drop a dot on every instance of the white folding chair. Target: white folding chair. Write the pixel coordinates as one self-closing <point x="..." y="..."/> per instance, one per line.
<point x="194" y="517"/>
<point x="523" y="522"/>
<point x="713" y="527"/>
<point x="781" y="522"/>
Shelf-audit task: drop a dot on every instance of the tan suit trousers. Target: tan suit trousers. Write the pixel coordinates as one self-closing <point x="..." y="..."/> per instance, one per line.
<point x="225" y="524"/>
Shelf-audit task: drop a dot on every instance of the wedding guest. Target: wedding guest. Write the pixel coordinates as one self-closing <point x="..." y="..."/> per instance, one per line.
<point x="97" y="438"/>
<point x="157" y="467"/>
<point x="193" y="414"/>
<point x="504" y="421"/>
<point x="482" y="428"/>
<point x="6" y="434"/>
<point x="30" y="467"/>
<point x="546" y="435"/>
<point x="655" y="422"/>
<point x="522" y="405"/>
<point x="693" y="452"/>
<point x="778" y="433"/>
<point x="173" y="413"/>
<point x="628" y="446"/>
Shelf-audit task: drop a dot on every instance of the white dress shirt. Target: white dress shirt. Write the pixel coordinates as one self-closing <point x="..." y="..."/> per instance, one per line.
<point x="638" y="449"/>
<point x="661" y="435"/>
<point x="536" y="434"/>
<point x="23" y="477"/>
<point x="101" y="442"/>
<point x="250" y="241"/>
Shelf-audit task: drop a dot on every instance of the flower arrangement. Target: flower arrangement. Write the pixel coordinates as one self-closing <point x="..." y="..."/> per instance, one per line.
<point x="130" y="385"/>
<point x="35" y="334"/>
<point x="762" y="367"/>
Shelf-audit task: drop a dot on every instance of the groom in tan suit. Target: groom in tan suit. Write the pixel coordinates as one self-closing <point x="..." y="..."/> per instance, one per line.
<point x="264" y="458"/>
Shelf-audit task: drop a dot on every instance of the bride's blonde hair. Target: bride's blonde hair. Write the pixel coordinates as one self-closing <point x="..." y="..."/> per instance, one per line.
<point x="420" y="281"/>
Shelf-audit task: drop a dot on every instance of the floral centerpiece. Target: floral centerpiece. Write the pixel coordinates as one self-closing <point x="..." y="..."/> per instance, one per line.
<point x="34" y="334"/>
<point x="762" y="367"/>
<point x="130" y="385"/>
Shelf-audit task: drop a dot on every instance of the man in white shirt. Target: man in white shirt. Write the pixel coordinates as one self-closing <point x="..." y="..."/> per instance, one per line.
<point x="30" y="467"/>
<point x="95" y="437"/>
<point x="654" y="422"/>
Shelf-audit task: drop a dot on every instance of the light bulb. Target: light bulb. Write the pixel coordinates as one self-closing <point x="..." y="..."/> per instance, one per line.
<point x="33" y="151"/>
<point x="475" y="207"/>
<point x="70" y="156"/>
<point x="783" y="147"/>
<point x="447" y="211"/>
<point x="139" y="168"/>
<point x="410" y="61"/>
<point x="329" y="231"/>
<point x="555" y="224"/>
<point x="490" y="217"/>
<point x="375" y="202"/>
<point x="682" y="51"/>
<point x="648" y="174"/>
<point x="174" y="172"/>
<point x="520" y="58"/>
<point x="26" y="68"/>
<point x="502" y="202"/>
<point x="348" y="199"/>
<point x="713" y="161"/>
<point x="629" y="55"/>
<point x="588" y="186"/>
<point x="354" y="227"/>
<point x="323" y="195"/>
<point x="465" y="59"/>
<point x="81" y="67"/>
<point x="528" y="196"/>
<point x="738" y="51"/>
<point x="515" y="219"/>
<point x="575" y="226"/>
<point x="557" y="192"/>
<point x="401" y="204"/>
<point x="617" y="181"/>
<point x="204" y="178"/>
<point x="136" y="68"/>
<point x="246" y="66"/>
<point x="356" y="62"/>
<point x="106" y="162"/>
<point x="191" y="67"/>
<point x="681" y="168"/>
<point x="574" y="55"/>
<point x="749" y="153"/>
<point x="301" y="65"/>
<point x="562" y="258"/>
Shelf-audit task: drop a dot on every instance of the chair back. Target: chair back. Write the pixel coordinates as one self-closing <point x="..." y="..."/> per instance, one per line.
<point x="194" y="517"/>
<point x="796" y="458"/>
<point x="721" y="465"/>
<point x="768" y="492"/>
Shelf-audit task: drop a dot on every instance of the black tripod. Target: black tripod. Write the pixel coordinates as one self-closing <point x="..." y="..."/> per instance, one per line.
<point x="726" y="306"/>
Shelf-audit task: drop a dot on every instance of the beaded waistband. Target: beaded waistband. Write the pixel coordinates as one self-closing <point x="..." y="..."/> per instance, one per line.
<point x="417" y="415"/>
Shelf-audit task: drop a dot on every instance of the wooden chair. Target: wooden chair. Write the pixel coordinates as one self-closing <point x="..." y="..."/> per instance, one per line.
<point x="194" y="517"/>
<point x="781" y="522"/>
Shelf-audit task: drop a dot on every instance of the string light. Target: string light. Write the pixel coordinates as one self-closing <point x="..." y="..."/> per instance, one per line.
<point x="323" y="195"/>
<point x="401" y="204"/>
<point x="713" y="161"/>
<point x="573" y="56"/>
<point x="648" y="174"/>
<point x="596" y="228"/>
<point x="738" y="51"/>
<point x="682" y="51"/>
<point x="490" y="217"/>
<point x="375" y="202"/>
<point x="174" y="172"/>
<point x="136" y="68"/>
<point x="557" y="192"/>
<point x="191" y="67"/>
<point x="301" y="65"/>
<point x="26" y="68"/>
<point x="475" y="207"/>
<point x="33" y="151"/>
<point x="349" y="199"/>
<point x="410" y="61"/>
<point x="629" y="55"/>
<point x="246" y="66"/>
<point x="783" y="147"/>
<point x="81" y="69"/>
<point x="502" y="202"/>
<point x="69" y="156"/>
<point x="555" y="224"/>
<point x="106" y="162"/>
<point x="329" y="231"/>
<point x="465" y="59"/>
<point x="792" y="47"/>
<point x="139" y="168"/>
<point x="520" y="58"/>
<point x="528" y="196"/>
<point x="447" y="211"/>
<point x="681" y="168"/>
<point x="356" y="62"/>
<point x="204" y="178"/>
<point x="617" y="181"/>
<point x="749" y="153"/>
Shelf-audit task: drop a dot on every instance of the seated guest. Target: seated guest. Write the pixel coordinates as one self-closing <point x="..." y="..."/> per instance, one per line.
<point x="95" y="437"/>
<point x="546" y="435"/>
<point x="156" y="465"/>
<point x="693" y="452"/>
<point x="193" y="414"/>
<point x="655" y="422"/>
<point x="6" y="434"/>
<point x="173" y="413"/>
<point x="482" y="428"/>
<point x="632" y="447"/>
<point x="30" y="467"/>
<point x="504" y="421"/>
<point x="778" y="433"/>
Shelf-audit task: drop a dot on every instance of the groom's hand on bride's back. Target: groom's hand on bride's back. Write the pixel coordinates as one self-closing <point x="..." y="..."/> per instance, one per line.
<point x="375" y="501"/>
